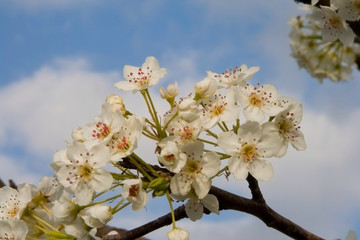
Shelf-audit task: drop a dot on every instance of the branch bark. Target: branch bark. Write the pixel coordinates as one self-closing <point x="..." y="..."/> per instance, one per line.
<point x="229" y="201"/>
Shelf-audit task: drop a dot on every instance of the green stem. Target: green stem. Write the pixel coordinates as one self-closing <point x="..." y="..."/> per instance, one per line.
<point x="225" y="126"/>
<point x="148" y="166"/>
<point x="206" y="141"/>
<point x="211" y="133"/>
<point x="171" y="209"/>
<point x="139" y="167"/>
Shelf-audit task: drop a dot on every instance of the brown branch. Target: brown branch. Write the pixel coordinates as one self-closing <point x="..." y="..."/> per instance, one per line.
<point x="255" y="189"/>
<point x="229" y="201"/>
<point x="150" y="226"/>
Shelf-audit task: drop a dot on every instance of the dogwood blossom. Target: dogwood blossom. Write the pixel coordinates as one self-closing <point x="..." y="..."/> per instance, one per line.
<point x="197" y="171"/>
<point x="258" y="101"/>
<point x="247" y="148"/>
<point x="286" y="126"/>
<point x="133" y="192"/>
<point x="82" y="173"/>
<point x="140" y="78"/>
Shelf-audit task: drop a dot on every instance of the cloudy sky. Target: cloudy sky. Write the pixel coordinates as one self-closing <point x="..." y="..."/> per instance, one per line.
<point x="59" y="59"/>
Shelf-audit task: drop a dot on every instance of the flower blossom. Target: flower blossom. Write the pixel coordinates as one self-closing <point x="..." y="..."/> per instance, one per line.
<point x="96" y="216"/>
<point x="132" y="191"/>
<point x="220" y="108"/>
<point x="13" y="230"/>
<point x="234" y="77"/>
<point x="333" y="27"/>
<point x="178" y="234"/>
<point x="81" y="171"/>
<point x="13" y="202"/>
<point x="197" y="172"/>
<point x="286" y="126"/>
<point x="170" y="93"/>
<point x="171" y="156"/>
<point x="205" y="88"/>
<point x="194" y="207"/>
<point x="140" y="78"/>
<point x="348" y="9"/>
<point x="247" y="148"/>
<point x="258" y="101"/>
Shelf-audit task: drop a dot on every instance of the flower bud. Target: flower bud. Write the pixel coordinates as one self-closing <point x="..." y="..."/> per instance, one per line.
<point x="170" y="93"/>
<point x="205" y="88"/>
<point x="116" y="102"/>
<point x="178" y="234"/>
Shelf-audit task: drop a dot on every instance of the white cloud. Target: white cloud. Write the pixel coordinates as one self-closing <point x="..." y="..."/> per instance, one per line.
<point x="40" y="111"/>
<point x="12" y="168"/>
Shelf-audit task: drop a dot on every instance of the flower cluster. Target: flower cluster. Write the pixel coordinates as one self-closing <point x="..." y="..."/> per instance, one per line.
<point x="227" y="125"/>
<point x="322" y="41"/>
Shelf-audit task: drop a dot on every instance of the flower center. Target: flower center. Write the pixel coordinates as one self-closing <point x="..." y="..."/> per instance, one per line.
<point x="256" y="100"/>
<point x="217" y="110"/>
<point x="186" y="134"/>
<point x="120" y="144"/>
<point x="192" y="166"/>
<point x="85" y="171"/>
<point x="141" y="78"/>
<point x="102" y="130"/>
<point x="134" y="190"/>
<point x="248" y="152"/>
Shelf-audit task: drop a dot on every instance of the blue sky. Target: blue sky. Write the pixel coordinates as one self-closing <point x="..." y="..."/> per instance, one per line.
<point x="59" y="59"/>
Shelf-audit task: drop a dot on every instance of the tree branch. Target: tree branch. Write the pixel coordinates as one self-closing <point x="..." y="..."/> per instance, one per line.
<point x="229" y="201"/>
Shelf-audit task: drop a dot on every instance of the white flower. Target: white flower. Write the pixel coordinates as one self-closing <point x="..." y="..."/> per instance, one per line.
<point x="123" y="142"/>
<point x="197" y="171"/>
<point x="247" y="148"/>
<point x="178" y="234"/>
<point x="13" y="202"/>
<point x="132" y="191"/>
<point x="170" y="93"/>
<point x="220" y="108"/>
<point x="82" y="173"/>
<point x="258" y="101"/>
<point x="348" y="9"/>
<point x="13" y="230"/>
<point x="188" y="109"/>
<point x="140" y="78"/>
<point x="333" y="27"/>
<point x="286" y="126"/>
<point x="205" y="88"/>
<point x="194" y="207"/>
<point x="96" y="216"/>
<point x="171" y="156"/>
<point x="104" y="126"/>
<point x="116" y="103"/>
<point x="234" y="77"/>
<point x="182" y="132"/>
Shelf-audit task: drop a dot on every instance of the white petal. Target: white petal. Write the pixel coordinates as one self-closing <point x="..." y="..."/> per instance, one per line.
<point x="180" y="184"/>
<point x="194" y="210"/>
<point x="102" y="180"/>
<point x="201" y="185"/>
<point x="83" y="193"/>
<point x="229" y="142"/>
<point x="262" y="170"/>
<point x="211" y="203"/>
<point x="210" y="164"/>
<point x="238" y="168"/>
